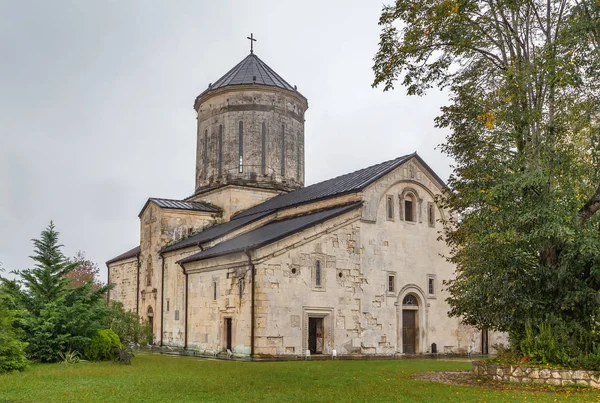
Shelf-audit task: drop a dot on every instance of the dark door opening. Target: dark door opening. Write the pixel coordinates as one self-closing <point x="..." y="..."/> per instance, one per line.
<point x="315" y="335"/>
<point x="484" y="342"/>
<point x="228" y="333"/>
<point x="409" y="331"/>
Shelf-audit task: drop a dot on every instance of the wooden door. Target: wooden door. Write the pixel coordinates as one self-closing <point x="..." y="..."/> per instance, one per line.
<point x="228" y="333"/>
<point x="315" y="335"/>
<point x="409" y="331"/>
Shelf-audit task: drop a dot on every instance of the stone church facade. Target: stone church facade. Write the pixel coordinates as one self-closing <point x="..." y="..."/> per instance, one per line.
<point x="259" y="264"/>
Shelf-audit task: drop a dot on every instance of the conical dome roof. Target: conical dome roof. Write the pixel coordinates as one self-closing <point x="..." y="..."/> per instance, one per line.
<point x="251" y="70"/>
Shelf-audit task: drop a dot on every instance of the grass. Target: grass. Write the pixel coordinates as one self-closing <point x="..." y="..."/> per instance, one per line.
<point x="158" y="378"/>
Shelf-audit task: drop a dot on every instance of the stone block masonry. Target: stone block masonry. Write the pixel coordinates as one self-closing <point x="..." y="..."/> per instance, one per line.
<point x="547" y="376"/>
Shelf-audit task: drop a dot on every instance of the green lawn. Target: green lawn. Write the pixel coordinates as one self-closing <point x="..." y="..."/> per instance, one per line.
<point x="157" y="378"/>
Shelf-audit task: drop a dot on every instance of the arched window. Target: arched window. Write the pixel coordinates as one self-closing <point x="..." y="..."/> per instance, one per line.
<point x="410" y="300"/>
<point x="241" y="145"/>
<point x="409" y="207"/>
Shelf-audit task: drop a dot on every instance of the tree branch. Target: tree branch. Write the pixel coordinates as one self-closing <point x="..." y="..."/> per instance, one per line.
<point x="591" y="207"/>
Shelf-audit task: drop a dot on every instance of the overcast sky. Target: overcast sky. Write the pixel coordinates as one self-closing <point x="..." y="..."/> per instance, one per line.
<point x="96" y="105"/>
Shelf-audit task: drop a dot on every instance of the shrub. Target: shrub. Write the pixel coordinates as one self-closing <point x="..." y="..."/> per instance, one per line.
<point x="103" y="345"/>
<point x="69" y="357"/>
<point x="546" y="344"/>
<point x="12" y="350"/>
<point x="131" y="329"/>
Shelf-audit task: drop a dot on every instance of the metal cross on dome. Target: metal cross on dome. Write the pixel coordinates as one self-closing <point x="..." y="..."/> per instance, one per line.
<point x="252" y="40"/>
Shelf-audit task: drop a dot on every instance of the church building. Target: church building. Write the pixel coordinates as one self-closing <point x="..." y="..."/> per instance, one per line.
<point x="259" y="264"/>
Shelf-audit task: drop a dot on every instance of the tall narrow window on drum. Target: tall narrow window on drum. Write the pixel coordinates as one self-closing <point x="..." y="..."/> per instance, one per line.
<point x="263" y="158"/>
<point x="205" y="154"/>
<point x="283" y="150"/>
<point x="220" y="145"/>
<point x="298" y="159"/>
<point x="241" y="146"/>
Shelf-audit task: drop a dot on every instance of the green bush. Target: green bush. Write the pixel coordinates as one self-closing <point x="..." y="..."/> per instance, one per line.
<point x="546" y="344"/>
<point x="12" y="350"/>
<point x="131" y="329"/>
<point x="102" y="345"/>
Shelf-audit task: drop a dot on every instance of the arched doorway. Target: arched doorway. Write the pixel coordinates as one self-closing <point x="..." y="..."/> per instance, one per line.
<point x="150" y="314"/>
<point x="410" y="324"/>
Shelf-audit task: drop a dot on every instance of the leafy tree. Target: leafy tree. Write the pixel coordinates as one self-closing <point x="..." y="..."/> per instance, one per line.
<point x="85" y="271"/>
<point x="524" y="84"/>
<point x="58" y="316"/>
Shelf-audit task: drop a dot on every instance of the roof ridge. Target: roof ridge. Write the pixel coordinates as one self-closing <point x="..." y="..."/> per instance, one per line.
<point x="341" y="184"/>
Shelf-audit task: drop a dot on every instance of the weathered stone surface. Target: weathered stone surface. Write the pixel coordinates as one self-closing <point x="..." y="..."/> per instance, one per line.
<point x="538" y="376"/>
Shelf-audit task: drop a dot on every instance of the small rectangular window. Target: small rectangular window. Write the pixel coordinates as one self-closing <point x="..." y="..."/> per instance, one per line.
<point x="177" y="314"/>
<point x="167" y="305"/>
<point x="408" y="210"/>
<point x="391" y="283"/>
<point x="431" y="214"/>
<point x="390" y="207"/>
<point x="318" y="273"/>
<point x="431" y="285"/>
<point x="241" y="287"/>
<point x="215" y="291"/>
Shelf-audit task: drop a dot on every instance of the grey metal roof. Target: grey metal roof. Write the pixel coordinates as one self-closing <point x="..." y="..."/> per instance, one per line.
<point x="181" y="205"/>
<point x="269" y="233"/>
<point x="129" y="254"/>
<point x="213" y="232"/>
<point x="347" y="183"/>
<point x="251" y="70"/>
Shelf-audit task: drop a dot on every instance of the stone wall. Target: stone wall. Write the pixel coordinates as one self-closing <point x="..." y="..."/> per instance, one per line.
<point x="123" y="275"/>
<point x="234" y="199"/>
<point x="158" y="228"/>
<point x="548" y="376"/>
<point x="281" y="112"/>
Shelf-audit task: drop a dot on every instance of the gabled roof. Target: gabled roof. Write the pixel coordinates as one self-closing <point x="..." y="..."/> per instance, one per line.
<point x="348" y="183"/>
<point x="269" y="233"/>
<point x="251" y="70"/>
<point x="181" y="205"/>
<point x="129" y="254"/>
<point x="213" y="232"/>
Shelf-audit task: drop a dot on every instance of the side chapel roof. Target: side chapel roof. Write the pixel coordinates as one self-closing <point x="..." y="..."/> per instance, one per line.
<point x="269" y="233"/>
<point x="129" y="254"/>
<point x="180" y="205"/>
